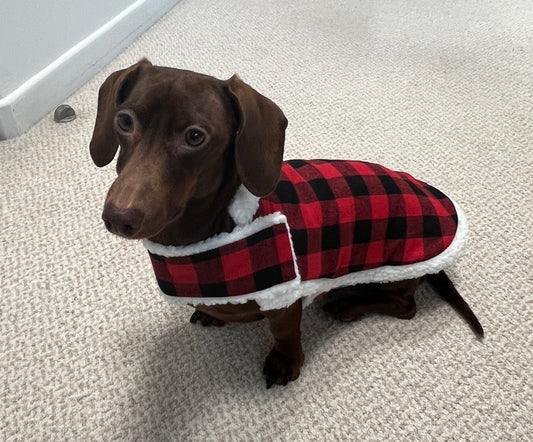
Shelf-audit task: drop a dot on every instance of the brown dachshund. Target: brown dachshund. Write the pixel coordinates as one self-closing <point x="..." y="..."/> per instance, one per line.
<point x="187" y="143"/>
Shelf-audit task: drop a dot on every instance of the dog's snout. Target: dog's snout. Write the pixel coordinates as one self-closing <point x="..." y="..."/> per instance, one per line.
<point x="125" y="222"/>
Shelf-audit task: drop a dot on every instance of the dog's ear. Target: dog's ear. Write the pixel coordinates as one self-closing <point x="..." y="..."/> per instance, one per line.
<point x="259" y="139"/>
<point x="114" y="91"/>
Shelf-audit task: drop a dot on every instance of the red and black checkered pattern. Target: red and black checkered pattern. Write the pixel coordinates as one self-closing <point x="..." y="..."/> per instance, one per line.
<point x="248" y="265"/>
<point x="344" y="217"/>
<point x="348" y="216"/>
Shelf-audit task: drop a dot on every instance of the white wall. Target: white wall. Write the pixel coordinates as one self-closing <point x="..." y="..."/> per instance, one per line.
<point x="34" y="33"/>
<point x="49" y="48"/>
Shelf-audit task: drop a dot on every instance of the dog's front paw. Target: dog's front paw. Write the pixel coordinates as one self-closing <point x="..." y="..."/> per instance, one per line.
<point x="205" y="319"/>
<point x="279" y="369"/>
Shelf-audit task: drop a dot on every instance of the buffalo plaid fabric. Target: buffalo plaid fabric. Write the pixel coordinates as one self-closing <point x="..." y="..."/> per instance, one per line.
<point x="248" y="265"/>
<point x="344" y="217"/>
<point x="348" y="216"/>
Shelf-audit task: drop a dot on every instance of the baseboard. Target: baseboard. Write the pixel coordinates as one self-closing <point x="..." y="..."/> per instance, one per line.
<point x="25" y="106"/>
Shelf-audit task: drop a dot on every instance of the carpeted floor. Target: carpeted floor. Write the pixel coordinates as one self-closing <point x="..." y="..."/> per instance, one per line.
<point x="444" y="90"/>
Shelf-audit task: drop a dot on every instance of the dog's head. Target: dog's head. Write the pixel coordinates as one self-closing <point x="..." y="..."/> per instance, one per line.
<point x="183" y="136"/>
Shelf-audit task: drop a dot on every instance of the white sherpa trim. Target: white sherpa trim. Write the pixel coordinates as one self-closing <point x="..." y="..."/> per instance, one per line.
<point x="267" y="299"/>
<point x="243" y="206"/>
<point x="285" y="294"/>
<point x="216" y="241"/>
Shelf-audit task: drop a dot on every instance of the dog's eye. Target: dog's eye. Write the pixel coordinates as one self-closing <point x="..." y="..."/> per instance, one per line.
<point x="125" y="122"/>
<point x="194" y="137"/>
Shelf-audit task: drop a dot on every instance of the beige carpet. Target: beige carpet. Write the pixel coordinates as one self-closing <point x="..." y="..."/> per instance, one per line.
<point x="444" y="90"/>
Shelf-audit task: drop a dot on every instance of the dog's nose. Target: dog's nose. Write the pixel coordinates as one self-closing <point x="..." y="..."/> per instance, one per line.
<point x="125" y="222"/>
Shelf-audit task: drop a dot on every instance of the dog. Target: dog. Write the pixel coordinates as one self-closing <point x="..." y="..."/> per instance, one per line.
<point x="202" y="181"/>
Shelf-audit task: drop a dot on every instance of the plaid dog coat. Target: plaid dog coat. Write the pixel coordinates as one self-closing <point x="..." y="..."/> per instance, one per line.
<point x="327" y="224"/>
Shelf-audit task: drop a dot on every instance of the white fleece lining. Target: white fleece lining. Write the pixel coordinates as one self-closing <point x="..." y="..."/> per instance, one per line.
<point x="243" y="206"/>
<point x="216" y="241"/>
<point x="285" y="294"/>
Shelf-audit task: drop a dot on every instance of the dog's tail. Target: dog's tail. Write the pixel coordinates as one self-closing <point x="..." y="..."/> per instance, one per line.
<point x="445" y="288"/>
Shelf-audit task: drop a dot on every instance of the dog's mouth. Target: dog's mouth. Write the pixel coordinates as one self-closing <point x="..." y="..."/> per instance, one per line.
<point x="175" y="216"/>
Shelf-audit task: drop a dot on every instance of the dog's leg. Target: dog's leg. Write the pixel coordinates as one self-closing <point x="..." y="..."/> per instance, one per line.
<point x="286" y="358"/>
<point x="394" y="299"/>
